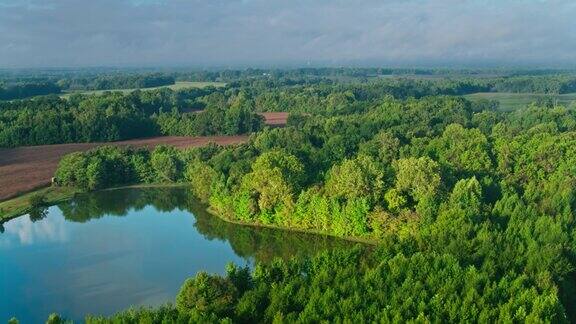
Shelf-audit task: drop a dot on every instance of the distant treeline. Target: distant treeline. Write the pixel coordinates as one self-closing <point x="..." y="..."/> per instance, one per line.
<point x="197" y="112"/>
<point x="107" y="82"/>
<point x="29" y="89"/>
<point x="223" y="111"/>
<point x="536" y="84"/>
<point x="407" y="81"/>
<point x="117" y="116"/>
<point x="21" y="89"/>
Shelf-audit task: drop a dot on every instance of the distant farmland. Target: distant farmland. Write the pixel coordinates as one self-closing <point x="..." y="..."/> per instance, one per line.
<point x="179" y="85"/>
<point x="513" y="101"/>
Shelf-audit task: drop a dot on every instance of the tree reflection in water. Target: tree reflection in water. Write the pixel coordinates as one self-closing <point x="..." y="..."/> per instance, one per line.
<point x="262" y="244"/>
<point x="38" y="213"/>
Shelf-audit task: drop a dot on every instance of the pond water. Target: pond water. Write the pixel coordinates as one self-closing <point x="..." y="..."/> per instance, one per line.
<point x="103" y="252"/>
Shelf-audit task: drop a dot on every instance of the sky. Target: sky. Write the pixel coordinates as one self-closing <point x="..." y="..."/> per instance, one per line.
<point x="264" y="33"/>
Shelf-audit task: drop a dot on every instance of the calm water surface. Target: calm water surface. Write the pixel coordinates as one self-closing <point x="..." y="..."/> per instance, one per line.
<point x="102" y="252"/>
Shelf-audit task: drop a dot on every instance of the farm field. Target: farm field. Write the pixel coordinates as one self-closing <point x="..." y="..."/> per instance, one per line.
<point x="513" y="101"/>
<point x="275" y="119"/>
<point x="179" y="85"/>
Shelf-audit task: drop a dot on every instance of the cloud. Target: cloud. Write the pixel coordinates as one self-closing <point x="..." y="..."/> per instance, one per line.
<point x="22" y="231"/>
<point x="264" y="32"/>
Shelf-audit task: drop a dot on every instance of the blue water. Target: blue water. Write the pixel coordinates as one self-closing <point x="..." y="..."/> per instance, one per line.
<point x="106" y="251"/>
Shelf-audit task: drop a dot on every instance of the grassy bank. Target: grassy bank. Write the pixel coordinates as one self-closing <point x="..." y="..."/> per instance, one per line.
<point x="21" y="205"/>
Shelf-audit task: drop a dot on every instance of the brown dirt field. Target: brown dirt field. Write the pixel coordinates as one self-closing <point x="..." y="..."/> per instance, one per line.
<point x="24" y="169"/>
<point x="275" y="118"/>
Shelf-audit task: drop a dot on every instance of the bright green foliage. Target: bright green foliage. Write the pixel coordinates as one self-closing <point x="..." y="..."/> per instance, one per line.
<point x="477" y="224"/>
<point x="55" y="319"/>
<point x="419" y="177"/>
<point x="395" y="200"/>
<point x="202" y="178"/>
<point x="275" y="178"/>
<point x="464" y="150"/>
<point x="467" y="196"/>
<point x="165" y="163"/>
<point x="355" y="178"/>
<point x="384" y="146"/>
<point x="72" y="170"/>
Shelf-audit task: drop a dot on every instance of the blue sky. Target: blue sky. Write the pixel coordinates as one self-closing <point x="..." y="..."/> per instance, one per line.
<point x="58" y="33"/>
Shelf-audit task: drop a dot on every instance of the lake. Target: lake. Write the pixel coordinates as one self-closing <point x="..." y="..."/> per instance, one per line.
<point x="105" y="251"/>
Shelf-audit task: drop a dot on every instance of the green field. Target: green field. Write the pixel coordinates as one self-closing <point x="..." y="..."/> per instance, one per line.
<point x="179" y="85"/>
<point x="513" y="101"/>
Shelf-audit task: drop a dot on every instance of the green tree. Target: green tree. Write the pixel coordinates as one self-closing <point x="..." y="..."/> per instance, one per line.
<point x="465" y="150"/>
<point x="165" y="162"/>
<point x="356" y="178"/>
<point x="207" y="294"/>
<point x="467" y="197"/>
<point x="384" y="147"/>
<point x="202" y="178"/>
<point x="419" y="177"/>
<point x="276" y="176"/>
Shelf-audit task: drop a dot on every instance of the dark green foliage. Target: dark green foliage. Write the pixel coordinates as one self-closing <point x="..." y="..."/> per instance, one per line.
<point x="37" y="200"/>
<point x="107" y="82"/>
<point x="27" y="89"/>
<point x="53" y="120"/>
<point x="538" y="84"/>
<point x="352" y="286"/>
<point x="116" y="116"/>
<point x="218" y="117"/>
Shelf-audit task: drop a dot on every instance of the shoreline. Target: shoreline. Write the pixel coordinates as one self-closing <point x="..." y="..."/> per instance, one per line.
<point x="212" y="212"/>
<point x="70" y="193"/>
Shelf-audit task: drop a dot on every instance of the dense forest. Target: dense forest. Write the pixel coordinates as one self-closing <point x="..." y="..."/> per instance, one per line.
<point x="22" y="90"/>
<point x="116" y="116"/>
<point x="472" y="209"/>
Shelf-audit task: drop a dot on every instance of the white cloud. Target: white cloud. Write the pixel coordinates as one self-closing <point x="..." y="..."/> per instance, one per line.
<point x="259" y="32"/>
<point x="22" y="231"/>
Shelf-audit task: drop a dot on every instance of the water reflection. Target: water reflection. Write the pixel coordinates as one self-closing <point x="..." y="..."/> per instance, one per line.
<point x="32" y="229"/>
<point x="263" y="244"/>
<point x="105" y="251"/>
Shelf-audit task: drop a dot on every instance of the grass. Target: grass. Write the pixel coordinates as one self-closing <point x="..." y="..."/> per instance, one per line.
<point x="22" y="204"/>
<point x="179" y="85"/>
<point x="513" y="101"/>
